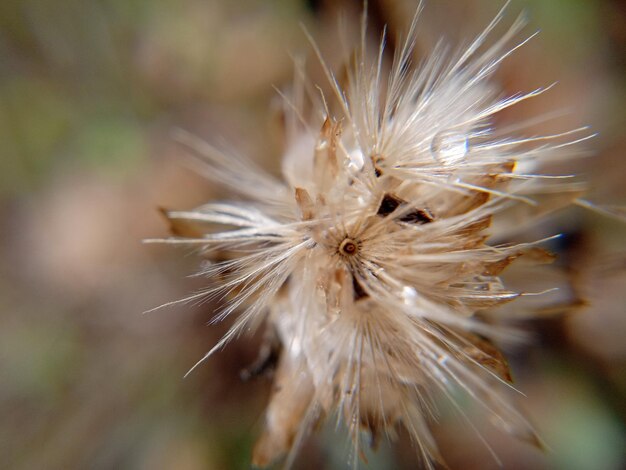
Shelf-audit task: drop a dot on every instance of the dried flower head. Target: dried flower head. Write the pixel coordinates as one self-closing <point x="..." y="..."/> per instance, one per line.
<point x="372" y="262"/>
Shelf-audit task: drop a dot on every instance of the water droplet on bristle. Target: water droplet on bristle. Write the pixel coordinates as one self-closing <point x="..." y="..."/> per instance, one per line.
<point x="355" y="161"/>
<point x="409" y="295"/>
<point x="449" y="147"/>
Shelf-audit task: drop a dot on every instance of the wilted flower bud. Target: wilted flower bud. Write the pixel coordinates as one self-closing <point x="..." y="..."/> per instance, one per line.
<point x="372" y="261"/>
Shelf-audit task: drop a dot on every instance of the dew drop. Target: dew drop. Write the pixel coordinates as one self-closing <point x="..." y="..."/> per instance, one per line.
<point x="449" y="147"/>
<point x="409" y="295"/>
<point x="295" y="347"/>
<point x="355" y="160"/>
<point x="442" y="359"/>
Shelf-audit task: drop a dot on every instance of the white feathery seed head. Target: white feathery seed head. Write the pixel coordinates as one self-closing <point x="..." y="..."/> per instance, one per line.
<point x="375" y="260"/>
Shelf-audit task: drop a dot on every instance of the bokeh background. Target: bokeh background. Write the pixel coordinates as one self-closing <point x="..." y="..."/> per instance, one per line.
<point x="89" y="93"/>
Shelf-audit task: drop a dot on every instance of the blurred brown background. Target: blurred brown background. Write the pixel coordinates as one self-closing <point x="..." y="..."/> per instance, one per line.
<point x="89" y="92"/>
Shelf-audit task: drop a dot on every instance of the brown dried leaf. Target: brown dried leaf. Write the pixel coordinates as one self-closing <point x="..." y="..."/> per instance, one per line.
<point x="289" y="403"/>
<point x="305" y="203"/>
<point x="495" y="268"/>
<point x="538" y="255"/>
<point x="325" y="163"/>
<point x="485" y="353"/>
<point x="181" y="227"/>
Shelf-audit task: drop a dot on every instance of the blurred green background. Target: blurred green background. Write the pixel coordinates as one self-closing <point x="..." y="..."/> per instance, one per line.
<point x="89" y="93"/>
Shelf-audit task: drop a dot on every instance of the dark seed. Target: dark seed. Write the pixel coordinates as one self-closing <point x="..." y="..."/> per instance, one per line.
<point x="417" y="217"/>
<point x="390" y="203"/>
<point x="376" y="160"/>
<point x="265" y="363"/>
<point x="359" y="292"/>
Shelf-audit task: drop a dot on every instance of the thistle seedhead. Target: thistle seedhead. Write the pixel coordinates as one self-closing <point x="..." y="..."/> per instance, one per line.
<point x="372" y="260"/>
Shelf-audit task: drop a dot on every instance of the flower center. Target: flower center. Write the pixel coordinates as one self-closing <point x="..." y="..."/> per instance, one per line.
<point x="348" y="247"/>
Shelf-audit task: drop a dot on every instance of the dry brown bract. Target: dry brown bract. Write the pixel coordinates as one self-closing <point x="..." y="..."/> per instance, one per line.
<point x="371" y="260"/>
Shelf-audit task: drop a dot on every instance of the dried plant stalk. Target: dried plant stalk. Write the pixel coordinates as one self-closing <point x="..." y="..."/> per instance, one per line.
<point x="371" y="259"/>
